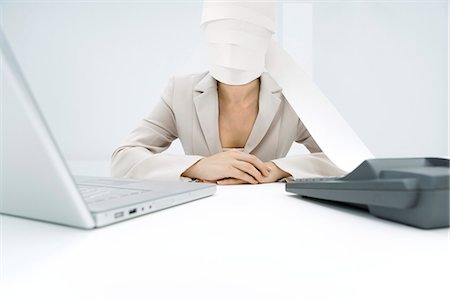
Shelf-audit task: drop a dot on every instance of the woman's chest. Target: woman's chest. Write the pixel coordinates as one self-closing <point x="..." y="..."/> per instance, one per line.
<point x="235" y="128"/>
<point x="202" y="130"/>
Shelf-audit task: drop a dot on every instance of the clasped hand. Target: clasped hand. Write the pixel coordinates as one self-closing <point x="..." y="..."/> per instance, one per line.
<point x="234" y="167"/>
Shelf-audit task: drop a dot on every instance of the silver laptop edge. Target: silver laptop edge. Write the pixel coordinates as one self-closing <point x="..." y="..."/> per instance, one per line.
<point x="35" y="181"/>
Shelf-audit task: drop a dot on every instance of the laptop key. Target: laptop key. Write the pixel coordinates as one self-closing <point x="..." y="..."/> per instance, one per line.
<point x="96" y="194"/>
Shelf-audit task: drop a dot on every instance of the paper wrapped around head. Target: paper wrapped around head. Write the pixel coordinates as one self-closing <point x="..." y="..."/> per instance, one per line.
<point x="240" y="49"/>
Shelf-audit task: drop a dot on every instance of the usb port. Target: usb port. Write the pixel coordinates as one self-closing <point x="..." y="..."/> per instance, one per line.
<point x="132" y="211"/>
<point x="118" y="214"/>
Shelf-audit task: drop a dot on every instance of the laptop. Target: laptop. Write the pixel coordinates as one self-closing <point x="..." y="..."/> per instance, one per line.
<point x="36" y="183"/>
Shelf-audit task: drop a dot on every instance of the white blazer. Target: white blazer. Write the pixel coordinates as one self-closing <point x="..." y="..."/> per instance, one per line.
<point x="188" y="110"/>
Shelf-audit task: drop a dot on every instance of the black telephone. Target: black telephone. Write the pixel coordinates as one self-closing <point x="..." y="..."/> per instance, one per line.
<point x="413" y="191"/>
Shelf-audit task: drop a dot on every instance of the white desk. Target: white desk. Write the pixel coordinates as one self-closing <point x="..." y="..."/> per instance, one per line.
<point x="246" y="242"/>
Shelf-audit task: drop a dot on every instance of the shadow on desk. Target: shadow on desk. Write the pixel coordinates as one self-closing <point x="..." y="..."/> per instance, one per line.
<point x="355" y="210"/>
<point x="341" y="206"/>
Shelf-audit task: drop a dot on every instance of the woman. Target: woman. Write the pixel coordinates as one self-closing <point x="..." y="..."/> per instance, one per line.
<point x="255" y="119"/>
<point x="234" y="123"/>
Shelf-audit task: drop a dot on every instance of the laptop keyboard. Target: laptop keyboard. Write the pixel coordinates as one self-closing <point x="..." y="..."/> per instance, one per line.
<point x="95" y="194"/>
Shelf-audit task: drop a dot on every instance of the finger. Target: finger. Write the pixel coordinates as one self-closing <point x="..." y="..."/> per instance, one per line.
<point x="230" y="181"/>
<point x="254" y="161"/>
<point x="208" y="181"/>
<point x="238" y="174"/>
<point x="249" y="169"/>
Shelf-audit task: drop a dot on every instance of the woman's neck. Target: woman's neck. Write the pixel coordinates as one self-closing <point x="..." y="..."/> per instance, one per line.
<point x="239" y="95"/>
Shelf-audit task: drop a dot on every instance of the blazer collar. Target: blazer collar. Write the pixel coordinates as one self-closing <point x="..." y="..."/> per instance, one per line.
<point x="269" y="103"/>
<point x="206" y="104"/>
<point x="207" y="108"/>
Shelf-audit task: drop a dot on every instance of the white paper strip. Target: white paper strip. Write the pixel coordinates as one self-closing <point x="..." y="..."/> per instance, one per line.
<point x="236" y="48"/>
<point x="213" y="11"/>
<point x="235" y="37"/>
<point x="325" y="124"/>
<point x="236" y="57"/>
<point x="232" y="76"/>
<point x="238" y="25"/>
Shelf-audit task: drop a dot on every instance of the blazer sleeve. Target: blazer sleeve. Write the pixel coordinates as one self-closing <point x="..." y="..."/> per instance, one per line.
<point x="140" y="155"/>
<point x="315" y="164"/>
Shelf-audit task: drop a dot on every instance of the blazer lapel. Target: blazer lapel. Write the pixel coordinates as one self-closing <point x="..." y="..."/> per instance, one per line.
<point x="269" y="103"/>
<point x="206" y="104"/>
<point x="207" y="109"/>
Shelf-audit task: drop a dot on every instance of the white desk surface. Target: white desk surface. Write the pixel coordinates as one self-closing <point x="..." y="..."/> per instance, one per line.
<point x="245" y="242"/>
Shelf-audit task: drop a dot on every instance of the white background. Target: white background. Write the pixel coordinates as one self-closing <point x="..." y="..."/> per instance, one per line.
<point x="98" y="68"/>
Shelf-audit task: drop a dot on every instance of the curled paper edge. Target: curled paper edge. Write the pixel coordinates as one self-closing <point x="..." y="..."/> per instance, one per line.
<point x="332" y="133"/>
<point x="233" y="76"/>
